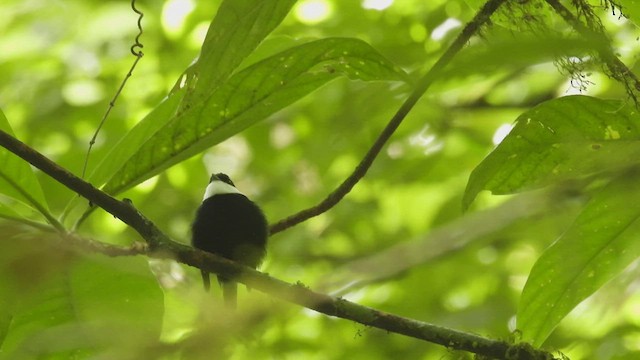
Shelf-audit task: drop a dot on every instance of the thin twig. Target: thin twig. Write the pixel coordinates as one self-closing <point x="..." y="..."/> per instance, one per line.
<point x="423" y="84"/>
<point x="135" y="50"/>
<point x="36" y="204"/>
<point x="34" y="224"/>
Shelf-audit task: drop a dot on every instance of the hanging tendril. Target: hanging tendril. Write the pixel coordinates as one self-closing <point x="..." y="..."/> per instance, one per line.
<point x="135" y="50"/>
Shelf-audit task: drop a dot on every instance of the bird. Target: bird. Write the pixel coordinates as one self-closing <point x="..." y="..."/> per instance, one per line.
<point x="230" y="225"/>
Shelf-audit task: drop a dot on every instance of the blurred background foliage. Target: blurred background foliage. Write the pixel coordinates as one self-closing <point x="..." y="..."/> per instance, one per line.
<point x="62" y="61"/>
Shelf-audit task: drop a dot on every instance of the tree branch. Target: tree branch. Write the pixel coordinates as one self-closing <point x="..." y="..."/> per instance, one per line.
<point x="91" y="245"/>
<point x="161" y="246"/>
<point x="120" y="209"/>
<point x="421" y="87"/>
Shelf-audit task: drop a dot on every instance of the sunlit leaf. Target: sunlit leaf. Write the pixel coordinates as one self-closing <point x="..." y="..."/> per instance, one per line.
<point x="17" y="180"/>
<point x="131" y="142"/>
<point x="127" y="146"/>
<point x="561" y="139"/>
<point x="601" y="243"/>
<point x="271" y="46"/>
<point x="239" y="26"/>
<point x="250" y="96"/>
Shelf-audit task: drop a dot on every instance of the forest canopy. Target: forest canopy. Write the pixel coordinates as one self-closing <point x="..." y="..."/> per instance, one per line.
<point x="442" y="179"/>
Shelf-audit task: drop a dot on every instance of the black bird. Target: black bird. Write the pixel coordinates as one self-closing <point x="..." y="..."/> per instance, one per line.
<point x="230" y="225"/>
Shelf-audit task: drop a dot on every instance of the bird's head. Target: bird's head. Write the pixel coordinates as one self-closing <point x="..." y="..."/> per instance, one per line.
<point x="220" y="184"/>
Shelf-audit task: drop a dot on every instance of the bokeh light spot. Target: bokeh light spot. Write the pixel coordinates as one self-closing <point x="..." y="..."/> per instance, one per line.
<point x="313" y="11"/>
<point x="376" y="4"/>
<point x="82" y="92"/>
<point x="501" y="133"/>
<point x="174" y="15"/>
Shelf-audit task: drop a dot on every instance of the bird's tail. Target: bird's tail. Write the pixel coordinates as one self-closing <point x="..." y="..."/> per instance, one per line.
<point x="205" y="280"/>
<point x="229" y="292"/>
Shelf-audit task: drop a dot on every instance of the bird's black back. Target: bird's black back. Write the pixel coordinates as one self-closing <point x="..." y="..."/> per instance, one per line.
<point x="232" y="226"/>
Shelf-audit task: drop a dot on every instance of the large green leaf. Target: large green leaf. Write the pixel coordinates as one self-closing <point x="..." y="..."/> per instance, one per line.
<point x="560" y="139"/>
<point x="250" y="96"/>
<point x="237" y="29"/>
<point x="127" y="146"/>
<point x="64" y="305"/>
<point x="601" y="243"/>
<point x="134" y="139"/>
<point x="17" y="180"/>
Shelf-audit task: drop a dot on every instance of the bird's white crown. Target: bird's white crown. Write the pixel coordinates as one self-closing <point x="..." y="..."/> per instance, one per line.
<point x="218" y="187"/>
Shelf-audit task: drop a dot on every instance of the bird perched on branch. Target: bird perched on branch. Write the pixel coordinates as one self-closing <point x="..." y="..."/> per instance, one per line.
<point x="230" y="225"/>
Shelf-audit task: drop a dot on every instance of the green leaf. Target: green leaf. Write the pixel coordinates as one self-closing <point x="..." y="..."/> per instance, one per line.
<point x="134" y="139"/>
<point x="85" y="303"/>
<point x="237" y="29"/>
<point x="250" y="96"/>
<point x="131" y="142"/>
<point x="118" y="292"/>
<point x="17" y="180"/>
<point x="560" y="139"/>
<point x="5" y="322"/>
<point x="7" y="212"/>
<point x="599" y="245"/>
